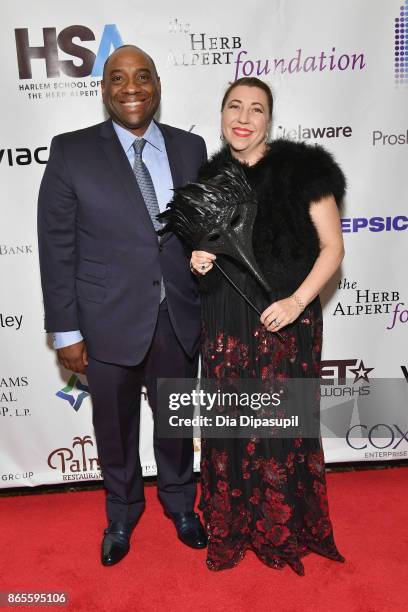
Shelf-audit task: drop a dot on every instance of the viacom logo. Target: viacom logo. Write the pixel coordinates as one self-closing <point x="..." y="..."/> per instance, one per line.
<point x="90" y="64"/>
<point x="23" y="156"/>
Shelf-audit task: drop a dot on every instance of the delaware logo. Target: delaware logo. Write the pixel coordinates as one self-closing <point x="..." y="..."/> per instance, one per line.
<point x="75" y="392"/>
<point x="401" y="46"/>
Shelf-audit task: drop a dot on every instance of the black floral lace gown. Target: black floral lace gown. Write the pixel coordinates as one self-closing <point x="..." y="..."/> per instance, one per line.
<point x="267" y="495"/>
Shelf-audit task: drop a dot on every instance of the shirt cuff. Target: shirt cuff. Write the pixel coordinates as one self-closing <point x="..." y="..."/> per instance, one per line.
<point x="62" y="339"/>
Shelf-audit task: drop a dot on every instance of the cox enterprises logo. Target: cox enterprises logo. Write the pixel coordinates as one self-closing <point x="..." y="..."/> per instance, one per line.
<point x="46" y="52"/>
<point x="371" y="418"/>
<point x="77" y="462"/>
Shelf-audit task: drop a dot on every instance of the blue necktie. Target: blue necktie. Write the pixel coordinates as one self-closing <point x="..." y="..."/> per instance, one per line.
<point x="146" y="187"/>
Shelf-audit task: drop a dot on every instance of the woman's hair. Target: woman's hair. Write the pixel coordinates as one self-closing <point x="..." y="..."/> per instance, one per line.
<point x="250" y="82"/>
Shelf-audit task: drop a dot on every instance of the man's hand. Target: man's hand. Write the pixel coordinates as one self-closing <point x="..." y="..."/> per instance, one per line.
<point x="74" y="357"/>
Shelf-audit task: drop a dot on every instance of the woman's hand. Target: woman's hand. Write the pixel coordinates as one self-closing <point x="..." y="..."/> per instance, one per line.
<point x="201" y="262"/>
<point x="281" y="313"/>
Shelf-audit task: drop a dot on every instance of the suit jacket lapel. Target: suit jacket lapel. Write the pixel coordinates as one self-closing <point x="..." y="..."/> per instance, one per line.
<point x="121" y="167"/>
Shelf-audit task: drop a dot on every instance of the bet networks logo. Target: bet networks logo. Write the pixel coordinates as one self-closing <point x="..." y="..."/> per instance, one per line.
<point x="74" y="393"/>
<point x="90" y="64"/>
<point x="401" y="46"/>
<point x="336" y="370"/>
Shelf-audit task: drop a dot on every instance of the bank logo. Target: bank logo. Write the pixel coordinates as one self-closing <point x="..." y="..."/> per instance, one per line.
<point x="401" y="46"/>
<point x="74" y="393"/>
<point x="77" y="462"/>
<point x="16" y="249"/>
<point x="90" y="64"/>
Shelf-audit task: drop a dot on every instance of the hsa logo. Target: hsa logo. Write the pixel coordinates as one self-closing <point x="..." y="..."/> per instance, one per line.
<point x="92" y="65"/>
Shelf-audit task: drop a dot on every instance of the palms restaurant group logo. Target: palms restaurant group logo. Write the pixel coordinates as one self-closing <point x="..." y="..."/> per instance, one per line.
<point x="54" y="54"/>
<point x="79" y="461"/>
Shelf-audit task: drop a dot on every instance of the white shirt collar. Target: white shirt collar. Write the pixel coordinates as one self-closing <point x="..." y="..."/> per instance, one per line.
<point x="152" y="135"/>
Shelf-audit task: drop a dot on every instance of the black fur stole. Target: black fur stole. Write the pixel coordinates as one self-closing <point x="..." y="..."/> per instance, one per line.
<point x="286" y="180"/>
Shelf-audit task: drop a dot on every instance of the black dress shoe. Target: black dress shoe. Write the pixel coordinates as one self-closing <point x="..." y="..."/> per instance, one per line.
<point x="115" y="543"/>
<point x="189" y="529"/>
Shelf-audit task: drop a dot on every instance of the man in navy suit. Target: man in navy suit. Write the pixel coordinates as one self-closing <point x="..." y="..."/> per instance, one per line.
<point x="123" y="305"/>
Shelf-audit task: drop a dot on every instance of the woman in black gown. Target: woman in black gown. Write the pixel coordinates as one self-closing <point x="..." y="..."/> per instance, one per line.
<point x="269" y="495"/>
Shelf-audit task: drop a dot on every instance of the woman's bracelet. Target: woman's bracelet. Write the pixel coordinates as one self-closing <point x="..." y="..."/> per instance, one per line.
<point x="298" y="301"/>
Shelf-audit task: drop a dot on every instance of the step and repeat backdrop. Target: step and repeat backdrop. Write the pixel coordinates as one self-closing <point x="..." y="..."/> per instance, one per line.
<point x="339" y="73"/>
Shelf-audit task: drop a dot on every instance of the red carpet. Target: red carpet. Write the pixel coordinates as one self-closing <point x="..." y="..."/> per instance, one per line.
<point x="51" y="542"/>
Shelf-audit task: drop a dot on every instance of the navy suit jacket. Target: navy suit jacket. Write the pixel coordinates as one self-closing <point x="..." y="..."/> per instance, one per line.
<point x="100" y="259"/>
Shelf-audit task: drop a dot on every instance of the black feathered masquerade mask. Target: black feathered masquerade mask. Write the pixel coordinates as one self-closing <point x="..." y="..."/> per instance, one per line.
<point x="217" y="215"/>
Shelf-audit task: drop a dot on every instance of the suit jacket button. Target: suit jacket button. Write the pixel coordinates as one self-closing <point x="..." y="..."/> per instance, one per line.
<point x="160" y="247"/>
<point x="155" y="283"/>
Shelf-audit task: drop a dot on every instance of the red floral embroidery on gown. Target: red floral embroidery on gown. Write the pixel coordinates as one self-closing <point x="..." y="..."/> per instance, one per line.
<point x="267" y="495"/>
